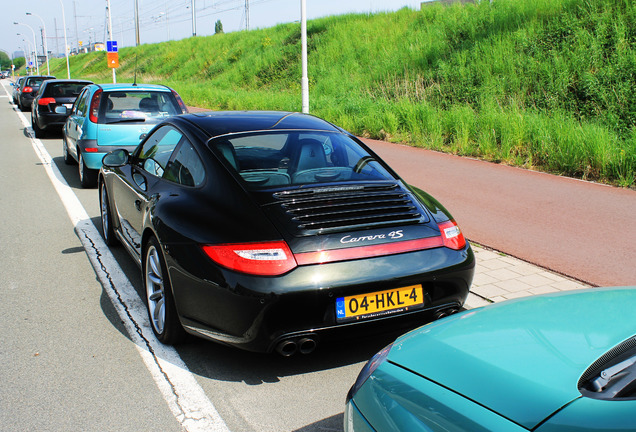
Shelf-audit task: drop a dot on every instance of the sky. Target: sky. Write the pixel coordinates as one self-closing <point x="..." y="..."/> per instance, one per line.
<point x="159" y="20"/>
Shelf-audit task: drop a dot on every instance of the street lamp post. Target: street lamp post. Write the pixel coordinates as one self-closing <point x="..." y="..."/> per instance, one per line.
<point x="35" y="45"/>
<point x="27" y="50"/>
<point x="46" y="49"/>
<point x="303" y="38"/>
<point x="68" y="68"/>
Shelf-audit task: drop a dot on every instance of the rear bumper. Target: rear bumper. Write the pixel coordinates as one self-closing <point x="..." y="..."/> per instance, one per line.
<point x="258" y="313"/>
<point x="50" y="120"/>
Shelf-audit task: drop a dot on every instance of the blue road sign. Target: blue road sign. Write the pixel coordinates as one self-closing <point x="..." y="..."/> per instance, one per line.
<point x="111" y="46"/>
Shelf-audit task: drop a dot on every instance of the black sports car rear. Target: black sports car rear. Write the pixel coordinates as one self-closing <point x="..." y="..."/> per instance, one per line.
<point x="269" y="230"/>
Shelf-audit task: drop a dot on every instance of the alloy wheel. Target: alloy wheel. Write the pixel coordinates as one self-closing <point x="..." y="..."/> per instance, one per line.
<point x="155" y="290"/>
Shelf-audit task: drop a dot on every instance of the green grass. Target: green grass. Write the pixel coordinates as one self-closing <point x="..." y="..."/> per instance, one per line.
<point x="542" y="84"/>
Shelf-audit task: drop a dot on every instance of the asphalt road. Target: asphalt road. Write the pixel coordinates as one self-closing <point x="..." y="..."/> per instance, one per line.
<point x="583" y="230"/>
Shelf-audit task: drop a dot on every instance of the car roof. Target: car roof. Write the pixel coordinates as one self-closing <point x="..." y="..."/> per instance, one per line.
<point x="215" y="123"/>
<point x="133" y="87"/>
<point x="53" y="81"/>
<point x="40" y="76"/>
<point x="66" y="81"/>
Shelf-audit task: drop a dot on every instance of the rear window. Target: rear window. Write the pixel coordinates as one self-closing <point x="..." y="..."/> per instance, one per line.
<point x="71" y="90"/>
<point x="36" y="81"/>
<point x="298" y="158"/>
<point x="121" y="105"/>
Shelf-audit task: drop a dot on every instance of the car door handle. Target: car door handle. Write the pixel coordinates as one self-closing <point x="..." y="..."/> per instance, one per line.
<point x="138" y="204"/>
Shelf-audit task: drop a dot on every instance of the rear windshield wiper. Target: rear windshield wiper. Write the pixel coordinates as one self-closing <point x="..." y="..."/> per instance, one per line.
<point x="127" y="120"/>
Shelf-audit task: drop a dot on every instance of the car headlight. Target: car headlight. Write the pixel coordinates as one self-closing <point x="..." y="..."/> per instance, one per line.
<point x="368" y="369"/>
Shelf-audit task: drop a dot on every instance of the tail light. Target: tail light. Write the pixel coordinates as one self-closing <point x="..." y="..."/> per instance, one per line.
<point x="94" y="109"/>
<point x="179" y="101"/>
<point x="27" y="89"/>
<point x="452" y="235"/>
<point x="262" y="259"/>
<point x="46" y="101"/>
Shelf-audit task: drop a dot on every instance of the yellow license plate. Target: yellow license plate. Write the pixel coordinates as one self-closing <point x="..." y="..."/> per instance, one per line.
<point x="379" y="303"/>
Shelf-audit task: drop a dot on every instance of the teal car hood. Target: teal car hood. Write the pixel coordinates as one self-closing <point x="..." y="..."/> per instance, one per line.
<point x="522" y="361"/>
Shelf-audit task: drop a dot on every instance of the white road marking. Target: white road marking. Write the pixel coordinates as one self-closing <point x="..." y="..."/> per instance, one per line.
<point x="185" y="397"/>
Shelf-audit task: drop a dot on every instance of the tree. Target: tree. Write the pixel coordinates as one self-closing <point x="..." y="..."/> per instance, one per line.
<point x="19" y="62"/>
<point x="218" y="27"/>
<point x="5" y="61"/>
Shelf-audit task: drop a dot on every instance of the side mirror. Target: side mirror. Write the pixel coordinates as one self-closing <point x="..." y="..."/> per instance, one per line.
<point x="116" y="158"/>
<point x="61" y="110"/>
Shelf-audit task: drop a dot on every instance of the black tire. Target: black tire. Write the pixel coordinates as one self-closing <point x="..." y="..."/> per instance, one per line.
<point x="88" y="177"/>
<point x="162" y="311"/>
<point x="68" y="159"/>
<point x="39" y="133"/>
<point x="108" y="232"/>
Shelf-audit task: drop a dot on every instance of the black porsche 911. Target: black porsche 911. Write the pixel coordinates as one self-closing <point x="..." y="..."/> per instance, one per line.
<point x="273" y="231"/>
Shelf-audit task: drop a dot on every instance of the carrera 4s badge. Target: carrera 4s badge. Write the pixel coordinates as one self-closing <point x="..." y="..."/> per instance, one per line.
<point x="394" y="235"/>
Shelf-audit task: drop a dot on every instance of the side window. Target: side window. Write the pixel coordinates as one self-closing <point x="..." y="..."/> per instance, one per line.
<point x="186" y="168"/>
<point x="158" y="148"/>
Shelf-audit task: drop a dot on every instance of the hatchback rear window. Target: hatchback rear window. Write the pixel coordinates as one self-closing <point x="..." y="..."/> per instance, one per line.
<point x="298" y="158"/>
<point x="71" y="90"/>
<point x="121" y="105"/>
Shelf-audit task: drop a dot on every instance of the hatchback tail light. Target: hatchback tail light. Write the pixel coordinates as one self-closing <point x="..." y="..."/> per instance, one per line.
<point x="452" y="235"/>
<point x="46" y="101"/>
<point x="179" y="101"/>
<point x="262" y="259"/>
<point x="94" y="110"/>
<point x="27" y="89"/>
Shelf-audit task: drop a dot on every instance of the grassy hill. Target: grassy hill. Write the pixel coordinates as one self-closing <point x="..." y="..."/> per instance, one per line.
<point x="543" y="84"/>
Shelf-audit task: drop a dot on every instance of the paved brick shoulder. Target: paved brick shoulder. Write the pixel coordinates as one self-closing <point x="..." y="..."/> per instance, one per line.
<point x="500" y="277"/>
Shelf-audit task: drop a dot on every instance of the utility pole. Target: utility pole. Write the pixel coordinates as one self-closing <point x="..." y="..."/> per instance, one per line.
<point x="110" y="34"/>
<point x="68" y="68"/>
<point x="247" y="15"/>
<point x="193" y="5"/>
<point x="76" y="33"/>
<point x="137" y="22"/>
<point x="303" y="39"/>
<point x="57" y="43"/>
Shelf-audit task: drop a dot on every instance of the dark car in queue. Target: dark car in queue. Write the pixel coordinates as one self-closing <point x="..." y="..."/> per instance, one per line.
<point x="16" y="89"/>
<point x="273" y="231"/>
<point x="54" y="94"/>
<point x="111" y="116"/>
<point x="29" y="90"/>
<point x="559" y="362"/>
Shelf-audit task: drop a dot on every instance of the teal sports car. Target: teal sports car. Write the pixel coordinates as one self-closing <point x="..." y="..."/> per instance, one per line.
<point x="107" y="117"/>
<point x="560" y="362"/>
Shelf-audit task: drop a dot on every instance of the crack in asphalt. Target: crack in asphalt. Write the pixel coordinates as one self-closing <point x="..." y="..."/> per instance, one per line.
<point x="138" y="328"/>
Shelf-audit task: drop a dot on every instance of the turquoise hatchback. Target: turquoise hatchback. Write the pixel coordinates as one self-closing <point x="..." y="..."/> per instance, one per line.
<point x="553" y="363"/>
<point x="106" y="117"/>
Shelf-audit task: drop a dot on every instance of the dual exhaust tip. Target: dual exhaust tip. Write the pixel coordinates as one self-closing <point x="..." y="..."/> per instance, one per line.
<point x="303" y="345"/>
<point x="307" y="344"/>
<point x="445" y="312"/>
